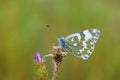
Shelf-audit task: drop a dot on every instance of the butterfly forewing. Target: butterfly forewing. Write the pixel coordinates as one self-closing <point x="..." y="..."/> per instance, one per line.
<point x="82" y="44"/>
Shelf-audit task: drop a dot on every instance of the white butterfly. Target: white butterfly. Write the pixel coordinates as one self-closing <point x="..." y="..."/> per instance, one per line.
<point x="80" y="44"/>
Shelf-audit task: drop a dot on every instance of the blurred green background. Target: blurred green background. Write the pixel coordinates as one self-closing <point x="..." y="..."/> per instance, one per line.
<point x="23" y="32"/>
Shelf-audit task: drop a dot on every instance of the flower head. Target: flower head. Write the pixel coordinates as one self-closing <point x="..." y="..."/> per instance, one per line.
<point x="38" y="58"/>
<point x="41" y="68"/>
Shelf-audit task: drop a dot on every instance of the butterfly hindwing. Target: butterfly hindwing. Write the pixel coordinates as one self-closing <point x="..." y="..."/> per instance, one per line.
<point x="82" y="44"/>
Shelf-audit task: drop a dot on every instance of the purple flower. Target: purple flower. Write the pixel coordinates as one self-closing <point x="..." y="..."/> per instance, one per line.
<point x="38" y="58"/>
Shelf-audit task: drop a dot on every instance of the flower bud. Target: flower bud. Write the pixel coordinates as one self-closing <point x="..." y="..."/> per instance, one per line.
<point x="38" y="58"/>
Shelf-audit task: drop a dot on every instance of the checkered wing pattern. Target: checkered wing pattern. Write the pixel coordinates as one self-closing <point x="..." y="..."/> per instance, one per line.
<point x="82" y="44"/>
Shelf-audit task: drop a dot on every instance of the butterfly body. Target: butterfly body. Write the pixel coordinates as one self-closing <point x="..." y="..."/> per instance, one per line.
<point x="80" y="44"/>
<point x="61" y="41"/>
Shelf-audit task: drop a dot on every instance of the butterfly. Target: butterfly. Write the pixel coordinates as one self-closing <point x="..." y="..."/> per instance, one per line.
<point x="80" y="44"/>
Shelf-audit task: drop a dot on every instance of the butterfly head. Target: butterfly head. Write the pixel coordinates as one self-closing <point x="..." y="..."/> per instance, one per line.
<point x="61" y="41"/>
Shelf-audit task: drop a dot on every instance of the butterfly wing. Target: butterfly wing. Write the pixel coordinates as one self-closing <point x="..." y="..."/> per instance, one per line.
<point x="82" y="44"/>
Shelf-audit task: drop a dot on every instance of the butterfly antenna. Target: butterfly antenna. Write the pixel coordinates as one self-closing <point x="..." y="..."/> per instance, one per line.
<point x="47" y="25"/>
